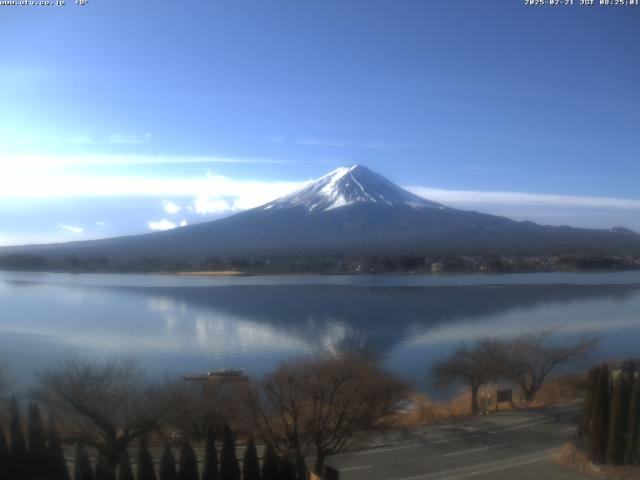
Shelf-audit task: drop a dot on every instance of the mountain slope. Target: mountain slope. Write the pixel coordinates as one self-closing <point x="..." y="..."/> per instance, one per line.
<point x="352" y="210"/>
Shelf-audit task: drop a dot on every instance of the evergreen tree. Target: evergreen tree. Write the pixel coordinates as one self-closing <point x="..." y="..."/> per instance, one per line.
<point x="210" y="467"/>
<point x="588" y="401"/>
<point x="229" y="467"/>
<point x="600" y="417"/>
<point x="270" y="464"/>
<point x="617" y="443"/>
<point x="19" y="452"/>
<point x="37" y="445"/>
<point x="632" y="454"/>
<point x="83" y="470"/>
<point x="168" y="465"/>
<point x="55" y="454"/>
<point x="125" y="472"/>
<point x="145" y="470"/>
<point x="103" y="470"/>
<point x="5" y="456"/>
<point x="188" y="462"/>
<point x="287" y="470"/>
<point x="250" y="464"/>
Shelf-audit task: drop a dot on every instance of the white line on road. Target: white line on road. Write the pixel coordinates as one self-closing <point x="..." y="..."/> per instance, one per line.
<point x="502" y="467"/>
<point x="353" y="469"/>
<point x="570" y="429"/>
<point x="496" y="465"/>
<point x="518" y="427"/>
<point x="473" y="450"/>
<point x="448" y="440"/>
<point x="392" y="449"/>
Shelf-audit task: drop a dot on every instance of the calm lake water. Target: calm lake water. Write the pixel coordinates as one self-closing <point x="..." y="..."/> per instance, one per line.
<point x="173" y="325"/>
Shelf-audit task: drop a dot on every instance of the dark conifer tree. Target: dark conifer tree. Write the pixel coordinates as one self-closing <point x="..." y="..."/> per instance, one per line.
<point x="599" y="429"/>
<point x="168" y="465"/>
<point x="229" y="467"/>
<point x="632" y="454"/>
<point x="5" y="456"/>
<point x="617" y="443"/>
<point x="588" y="401"/>
<point x="145" y="470"/>
<point x="270" y="464"/>
<point x="103" y="470"/>
<point x="19" y="452"/>
<point x="125" y="472"/>
<point x="210" y="466"/>
<point x="188" y="462"/>
<point x="55" y="454"/>
<point x="83" y="470"/>
<point x="250" y="463"/>
<point x="287" y="470"/>
<point x="37" y="445"/>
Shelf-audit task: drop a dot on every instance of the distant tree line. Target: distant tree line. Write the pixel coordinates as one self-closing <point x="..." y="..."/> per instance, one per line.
<point x="326" y="264"/>
<point x="611" y="414"/>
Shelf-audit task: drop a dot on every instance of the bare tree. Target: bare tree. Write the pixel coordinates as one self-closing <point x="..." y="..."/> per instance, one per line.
<point x="106" y="405"/>
<point x="315" y="408"/>
<point x="202" y="409"/>
<point x="532" y="357"/>
<point x="473" y="365"/>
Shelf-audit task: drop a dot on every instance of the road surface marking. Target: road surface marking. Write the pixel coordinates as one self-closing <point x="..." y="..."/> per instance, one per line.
<point x="392" y="449"/>
<point x="570" y="429"/>
<point x="515" y="461"/>
<point x="352" y="469"/>
<point x="473" y="450"/>
<point x="502" y="467"/>
<point x="449" y="440"/>
<point x="518" y="427"/>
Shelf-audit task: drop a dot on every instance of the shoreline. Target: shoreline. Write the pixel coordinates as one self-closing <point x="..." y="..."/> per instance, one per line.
<point x="235" y="273"/>
<point x="206" y="273"/>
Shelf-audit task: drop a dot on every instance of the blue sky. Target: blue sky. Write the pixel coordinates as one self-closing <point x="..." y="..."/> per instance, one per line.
<point x="119" y="117"/>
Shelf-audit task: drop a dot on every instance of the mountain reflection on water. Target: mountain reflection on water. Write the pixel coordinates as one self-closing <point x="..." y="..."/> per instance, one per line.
<point x="172" y="329"/>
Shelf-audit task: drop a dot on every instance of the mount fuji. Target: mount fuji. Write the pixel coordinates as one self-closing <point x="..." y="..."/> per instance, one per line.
<point x="351" y="210"/>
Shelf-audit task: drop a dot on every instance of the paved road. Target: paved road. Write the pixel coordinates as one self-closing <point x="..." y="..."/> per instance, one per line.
<point x="505" y="445"/>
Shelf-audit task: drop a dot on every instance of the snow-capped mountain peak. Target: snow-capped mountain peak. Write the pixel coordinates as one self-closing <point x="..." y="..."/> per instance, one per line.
<point x="347" y="186"/>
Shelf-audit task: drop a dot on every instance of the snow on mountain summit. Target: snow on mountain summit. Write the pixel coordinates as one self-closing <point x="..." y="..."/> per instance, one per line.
<point x="347" y="186"/>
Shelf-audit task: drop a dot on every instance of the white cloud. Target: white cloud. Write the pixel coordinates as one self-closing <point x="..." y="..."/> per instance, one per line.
<point x="163" y="224"/>
<point x="212" y="187"/>
<point x="27" y="164"/>
<point x="101" y="224"/>
<point x="205" y="205"/>
<point x="171" y="207"/>
<point x="470" y="198"/>
<point x="183" y="223"/>
<point x="69" y="228"/>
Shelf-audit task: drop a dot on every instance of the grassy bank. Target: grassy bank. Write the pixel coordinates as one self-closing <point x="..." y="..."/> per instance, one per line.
<point x="572" y="456"/>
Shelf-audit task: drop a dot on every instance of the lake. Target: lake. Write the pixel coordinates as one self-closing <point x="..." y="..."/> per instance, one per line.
<point x="175" y="324"/>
